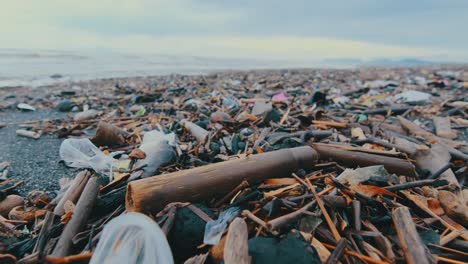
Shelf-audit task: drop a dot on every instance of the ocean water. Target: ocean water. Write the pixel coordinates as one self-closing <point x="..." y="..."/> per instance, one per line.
<point x="36" y="68"/>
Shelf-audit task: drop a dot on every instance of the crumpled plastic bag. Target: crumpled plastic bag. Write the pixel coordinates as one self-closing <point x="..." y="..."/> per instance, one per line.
<point x="159" y="150"/>
<point x="215" y="229"/>
<point x="132" y="238"/>
<point x="82" y="153"/>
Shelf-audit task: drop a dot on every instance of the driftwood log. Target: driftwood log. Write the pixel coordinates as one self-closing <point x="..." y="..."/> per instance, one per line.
<point x="152" y="194"/>
<point x="78" y="219"/>
<point x="354" y="159"/>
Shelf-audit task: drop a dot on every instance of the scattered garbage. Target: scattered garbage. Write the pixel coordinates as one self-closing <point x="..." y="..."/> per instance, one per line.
<point x="108" y="135"/>
<point x="25" y="107"/>
<point x="85" y="115"/>
<point x="82" y="153"/>
<point x="300" y="166"/>
<point x="215" y="229"/>
<point x="158" y="150"/>
<point x="132" y="238"/>
<point x="414" y="97"/>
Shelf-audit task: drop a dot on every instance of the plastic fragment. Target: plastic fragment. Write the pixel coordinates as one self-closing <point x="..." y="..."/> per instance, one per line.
<point x="132" y="238"/>
<point x="215" y="229"/>
<point x="82" y="153"/>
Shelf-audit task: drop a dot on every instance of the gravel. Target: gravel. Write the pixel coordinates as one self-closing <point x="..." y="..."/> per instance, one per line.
<point x="34" y="161"/>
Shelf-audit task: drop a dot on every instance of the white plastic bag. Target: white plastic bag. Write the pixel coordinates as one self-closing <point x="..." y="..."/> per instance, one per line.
<point x="159" y="150"/>
<point x="132" y="238"/>
<point x="82" y="153"/>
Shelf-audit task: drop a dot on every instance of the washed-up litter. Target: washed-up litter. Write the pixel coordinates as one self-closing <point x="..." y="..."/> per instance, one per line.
<point x="132" y="238"/>
<point x="26" y="107"/>
<point x="414" y="97"/>
<point x="300" y="166"/>
<point x="82" y="153"/>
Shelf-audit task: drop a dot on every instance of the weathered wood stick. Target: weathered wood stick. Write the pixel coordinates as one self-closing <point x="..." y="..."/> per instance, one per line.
<point x="338" y="252"/>
<point x="443" y="128"/>
<point x="73" y="192"/>
<point x="251" y="216"/>
<point x="423" y="206"/>
<point x="46" y="225"/>
<point x="463" y="253"/>
<point x="457" y="154"/>
<point x="451" y="236"/>
<point x="459" y="244"/>
<point x="166" y="228"/>
<point x="197" y="132"/>
<point x="288" y="218"/>
<point x="409" y="150"/>
<point x="410" y="185"/>
<point x="330" y="123"/>
<point x="448" y="144"/>
<point x="439" y="259"/>
<point x="335" y="201"/>
<point x="27" y="133"/>
<point x="414" y="249"/>
<point x="242" y="185"/>
<point x="359" y="256"/>
<point x="4" y="222"/>
<point x="329" y="221"/>
<point x="354" y="159"/>
<point x="396" y="110"/>
<point x="383" y="243"/>
<point x="439" y="172"/>
<point x="78" y="219"/>
<point x="356" y="205"/>
<point x="152" y="194"/>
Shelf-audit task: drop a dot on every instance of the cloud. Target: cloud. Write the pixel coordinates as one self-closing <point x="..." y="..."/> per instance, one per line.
<point x="297" y="30"/>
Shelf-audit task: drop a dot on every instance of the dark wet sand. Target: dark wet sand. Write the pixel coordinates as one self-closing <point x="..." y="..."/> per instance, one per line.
<point x="34" y="161"/>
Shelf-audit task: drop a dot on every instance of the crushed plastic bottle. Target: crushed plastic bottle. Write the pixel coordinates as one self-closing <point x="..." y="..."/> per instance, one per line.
<point x="132" y="238"/>
<point x="82" y="153"/>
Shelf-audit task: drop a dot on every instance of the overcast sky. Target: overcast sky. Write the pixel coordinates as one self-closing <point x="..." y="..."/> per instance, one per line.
<point x="270" y="29"/>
